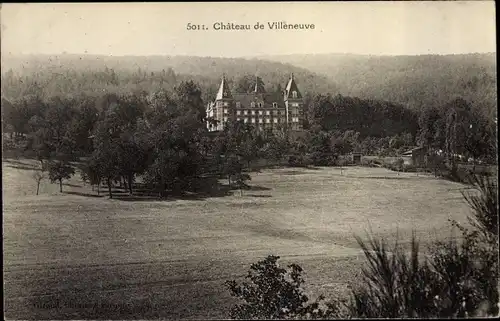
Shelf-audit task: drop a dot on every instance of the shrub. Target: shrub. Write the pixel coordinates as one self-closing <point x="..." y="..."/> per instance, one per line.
<point x="343" y="162"/>
<point x="485" y="206"/>
<point x="275" y="293"/>
<point x="299" y="161"/>
<point x="393" y="284"/>
<point x="370" y="162"/>
<point x="323" y="159"/>
<point x="482" y="240"/>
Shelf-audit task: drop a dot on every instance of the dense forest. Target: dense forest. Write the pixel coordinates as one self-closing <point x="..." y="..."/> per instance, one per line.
<point x="94" y="74"/>
<point x="415" y="81"/>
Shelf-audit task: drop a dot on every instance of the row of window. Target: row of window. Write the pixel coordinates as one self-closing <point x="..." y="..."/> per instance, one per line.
<point x="260" y="121"/>
<point x="261" y="112"/>
<point x="253" y="105"/>
<point x="266" y="120"/>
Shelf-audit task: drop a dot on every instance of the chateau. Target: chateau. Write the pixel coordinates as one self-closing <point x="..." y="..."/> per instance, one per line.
<point x="258" y="108"/>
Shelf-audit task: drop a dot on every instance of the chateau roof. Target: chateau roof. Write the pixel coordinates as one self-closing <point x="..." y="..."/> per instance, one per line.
<point x="267" y="98"/>
<point x="224" y="92"/>
<point x="291" y="87"/>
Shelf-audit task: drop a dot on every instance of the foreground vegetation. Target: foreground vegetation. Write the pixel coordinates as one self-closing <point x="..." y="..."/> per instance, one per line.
<point x="457" y="279"/>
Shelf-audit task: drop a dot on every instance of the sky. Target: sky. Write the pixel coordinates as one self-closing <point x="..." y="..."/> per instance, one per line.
<point x="377" y="28"/>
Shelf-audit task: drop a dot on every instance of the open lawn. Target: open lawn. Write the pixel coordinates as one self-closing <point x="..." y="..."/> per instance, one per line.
<point x="75" y="255"/>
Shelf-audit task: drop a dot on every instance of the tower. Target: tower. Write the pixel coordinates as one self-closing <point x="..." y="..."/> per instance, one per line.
<point x="293" y="105"/>
<point x="223" y="109"/>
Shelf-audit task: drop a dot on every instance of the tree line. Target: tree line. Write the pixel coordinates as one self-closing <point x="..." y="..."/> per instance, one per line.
<point x="417" y="82"/>
<point x="160" y="135"/>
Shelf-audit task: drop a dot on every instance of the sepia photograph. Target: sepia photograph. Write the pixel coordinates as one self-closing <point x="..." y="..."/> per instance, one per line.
<point x="249" y="160"/>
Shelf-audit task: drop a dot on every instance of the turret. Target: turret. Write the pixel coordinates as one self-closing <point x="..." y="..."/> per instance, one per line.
<point x="224" y="92"/>
<point x="293" y="104"/>
<point x="292" y="91"/>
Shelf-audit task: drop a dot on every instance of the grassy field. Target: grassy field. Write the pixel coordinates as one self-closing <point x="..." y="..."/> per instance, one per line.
<point x="75" y="255"/>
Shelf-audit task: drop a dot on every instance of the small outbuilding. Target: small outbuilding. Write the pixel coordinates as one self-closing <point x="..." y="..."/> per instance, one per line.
<point x="415" y="156"/>
<point x="356" y="156"/>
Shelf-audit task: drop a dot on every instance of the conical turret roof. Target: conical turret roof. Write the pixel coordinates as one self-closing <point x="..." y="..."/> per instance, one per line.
<point x="290" y="88"/>
<point x="224" y="92"/>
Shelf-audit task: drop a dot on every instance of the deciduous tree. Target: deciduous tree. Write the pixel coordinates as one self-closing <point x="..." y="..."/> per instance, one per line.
<point x="59" y="171"/>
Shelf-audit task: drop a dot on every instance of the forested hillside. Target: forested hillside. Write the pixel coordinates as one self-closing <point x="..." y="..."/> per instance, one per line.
<point x="415" y="81"/>
<point x="66" y="73"/>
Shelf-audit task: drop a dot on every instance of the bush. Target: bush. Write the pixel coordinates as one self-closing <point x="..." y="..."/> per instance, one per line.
<point x="275" y="293"/>
<point x="483" y="238"/>
<point x="459" y="279"/>
<point x="343" y="162"/>
<point x="299" y="161"/>
<point x="393" y="284"/>
<point x="370" y="162"/>
<point x="323" y="159"/>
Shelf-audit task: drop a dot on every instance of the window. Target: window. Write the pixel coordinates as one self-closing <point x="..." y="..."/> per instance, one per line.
<point x="225" y="110"/>
<point x="268" y="120"/>
<point x="294" y="94"/>
<point x="260" y="120"/>
<point x="275" y="105"/>
<point x="295" y="105"/>
<point x="253" y="120"/>
<point x="225" y="119"/>
<point x="261" y="112"/>
<point x="238" y="112"/>
<point x="238" y="119"/>
<point x="238" y="104"/>
<point x="260" y="105"/>
<point x="253" y="112"/>
<point x="268" y="112"/>
<point x="245" y="120"/>
<point x="275" y="112"/>
<point x="226" y="104"/>
<point x="275" y="120"/>
<point x="252" y="104"/>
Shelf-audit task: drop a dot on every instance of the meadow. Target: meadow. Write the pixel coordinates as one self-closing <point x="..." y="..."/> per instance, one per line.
<point x="78" y="255"/>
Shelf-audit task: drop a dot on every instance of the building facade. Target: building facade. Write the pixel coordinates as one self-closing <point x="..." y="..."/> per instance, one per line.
<point x="258" y="108"/>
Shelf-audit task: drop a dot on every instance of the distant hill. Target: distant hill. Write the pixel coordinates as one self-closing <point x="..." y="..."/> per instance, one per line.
<point x="205" y="68"/>
<point x="415" y="81"/>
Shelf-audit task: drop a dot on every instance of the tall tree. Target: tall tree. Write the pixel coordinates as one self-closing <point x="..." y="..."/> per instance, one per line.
<point x="246" y="84"/>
